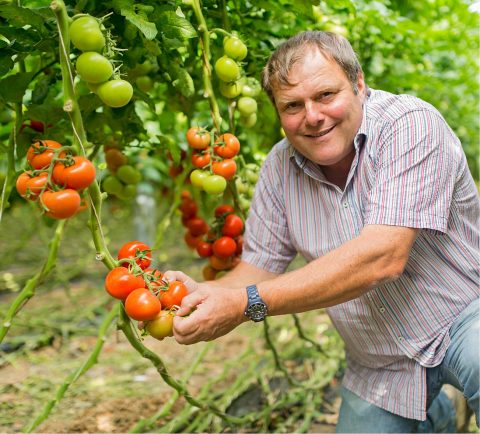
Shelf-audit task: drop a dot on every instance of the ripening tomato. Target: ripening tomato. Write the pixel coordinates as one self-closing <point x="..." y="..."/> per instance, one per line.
<point x="239" y="241"/>
<point x="162" y="325"/>
<point x="137" y="250"/>
<point x="36" y="184"/>
<point x="224" y="247"/>
<point x="114" y="159"/>
<point x="209" y="272"/>
<point x="94" y="68"/>
<point x="78" y="175"/>
<point x="172" y="296"/>
<point x="200" y="159"/>
<point x="61" y="204"/>
<point x="227" y="146"/>
<point x="188" y="208"/>
<point x="115" y="93"/>
<point x="21" y="184"/>
<point x="233" y="226"/>
<point x="197" y="226"/>
<point x="225" y="168"/>
<point x="234" y="48"/>
<point x="86" y="35"/>
<point x="227" y="69"/>
<point x="198" y="138"/>
<point x="204" y="249"/>
<point x="220" y="264"/>
<point x="119" y="283"/>
<point x="142" y="305"/>
<point x="223" y="209"/>
<point x="191" y="240"/>
<point x="41" y="153"/>
<point x="214" y="184"/>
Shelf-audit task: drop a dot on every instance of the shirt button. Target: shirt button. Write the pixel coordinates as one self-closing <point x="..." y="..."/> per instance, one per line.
<point x="345" y="204"/>
<point x="382" y="310"/>
<point x="401" y="339"/>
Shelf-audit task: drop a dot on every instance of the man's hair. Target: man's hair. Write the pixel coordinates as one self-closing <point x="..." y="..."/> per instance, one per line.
<point x="331" y="45"/>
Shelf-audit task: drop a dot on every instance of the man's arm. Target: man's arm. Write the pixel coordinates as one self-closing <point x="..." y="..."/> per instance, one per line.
<point x="242" y="275"/>
<point x="378" y="255"/>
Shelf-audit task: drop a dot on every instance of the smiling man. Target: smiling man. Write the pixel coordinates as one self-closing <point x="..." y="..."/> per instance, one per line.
<point x="374" y="191"/>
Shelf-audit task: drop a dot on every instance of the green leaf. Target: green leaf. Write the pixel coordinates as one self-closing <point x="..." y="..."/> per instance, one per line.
<point x="148" y="29"/>
<point x="12" y="88"/>
<point x="6" y="62"/>
<point x="20" y="17"/>
<point x="40" y="91"/>
<point x="183" y="81"/>
<point x="175" y="26"/>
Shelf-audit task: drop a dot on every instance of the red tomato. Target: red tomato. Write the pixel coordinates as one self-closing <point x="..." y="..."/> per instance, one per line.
<point x="21" y="184"/>
<point x="224" y="247"/>
<point x="188" y="208"/>
<point x="78" y="176"/>
<point x="239" y="250"/>
<point x="119" y="283"/>
<point x="173" y="296"/>
<point x="41" y="153"/>
<point x="138" y="250"/>
<point x="36" y="185"/>
<point x="198" y="138"/>
<point x="185" y="194"/>
<point x="200" y="159"/>
<point x="191" y="240"/>
<point x="161" y="326"/>
<point x="223" y="209"/>
<point x="197" y="226"/>
<point x="142" y="305"/>
<point x="227" y="146"/>
<point x="61" y="204"/>
<point x="233" y="226"/>
<point x="225" y="168"/>
<point x="204" y="249"/>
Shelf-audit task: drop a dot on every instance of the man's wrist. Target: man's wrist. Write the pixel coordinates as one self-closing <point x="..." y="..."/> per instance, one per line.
<point x="256" y="309"/>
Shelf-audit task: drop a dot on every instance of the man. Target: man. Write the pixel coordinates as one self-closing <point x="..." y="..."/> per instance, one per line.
<point x="373" y="189"/>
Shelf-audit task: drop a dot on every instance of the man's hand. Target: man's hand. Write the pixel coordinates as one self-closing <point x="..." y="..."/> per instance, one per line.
<point x="212" y="311"/>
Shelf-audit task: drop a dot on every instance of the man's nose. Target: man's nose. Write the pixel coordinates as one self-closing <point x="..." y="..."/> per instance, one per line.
<point x="313" y="113"/>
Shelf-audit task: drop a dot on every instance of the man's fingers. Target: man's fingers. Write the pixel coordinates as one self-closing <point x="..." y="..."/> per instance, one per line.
<point x="189" y="303"/>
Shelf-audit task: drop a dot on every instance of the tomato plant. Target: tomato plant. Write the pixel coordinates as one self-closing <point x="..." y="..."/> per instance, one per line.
<point x="173" y="295"/>
<point x="119" y="283"/>
<point x="142" y="305"/>
<point x="137" y="250"/>
<point x="78" y="175"/>
<point x="60" y="204"/>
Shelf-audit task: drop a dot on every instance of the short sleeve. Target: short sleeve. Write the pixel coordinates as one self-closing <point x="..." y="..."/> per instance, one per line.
<point x="267" y="237"/>
<point x="415" y="173"/>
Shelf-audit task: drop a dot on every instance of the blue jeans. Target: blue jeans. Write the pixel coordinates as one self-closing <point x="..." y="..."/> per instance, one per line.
<point x="460" y="368"/>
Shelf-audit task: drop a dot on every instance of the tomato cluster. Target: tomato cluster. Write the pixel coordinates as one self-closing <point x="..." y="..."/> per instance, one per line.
<point x="146" y="296"/>
<point x="245" y="184"/>
<point x="217" y="156"/>
<point x="94" y="68"/>
<point x="56" y="179"/>
<point x="123" y="177"/>
<point x="221" y="242"/>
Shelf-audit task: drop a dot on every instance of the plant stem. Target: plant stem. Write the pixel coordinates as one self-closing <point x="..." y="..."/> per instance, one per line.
<point x="92" y="359"/>
<point x="302" y="335"/>
<point x="28" y="290"/>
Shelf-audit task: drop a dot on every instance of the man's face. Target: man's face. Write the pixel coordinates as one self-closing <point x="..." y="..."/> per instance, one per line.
<point x="319" y="112"/>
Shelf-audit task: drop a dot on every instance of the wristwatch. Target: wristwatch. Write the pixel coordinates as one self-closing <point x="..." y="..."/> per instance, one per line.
<point x="256" y="308"/>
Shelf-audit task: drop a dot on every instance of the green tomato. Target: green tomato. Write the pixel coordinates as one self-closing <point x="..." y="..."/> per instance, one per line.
<point x="230" y="90"/>
<point x="234" y="48"/>
<point x="93" y="67"/>
<point x="248" y="121"/>
<point x="244" y="203"/>
<point x="128" y="192"/>
<point x="115" y="93"/>
<point x="241" y="186"/>
<point x="161" y="326"/>
<point x="214" y="184"/>
<point x="197" y="177"/>
<point x="227" y="69"/>
<point x="112" y="185"/>
<point x="144" y="83"/>
<point x="252" y="177"/>
<point x="86" y="35"/>
<point x="251" y="87"/>
<point x="247" y="106"/>
<point x="128" y="174"/>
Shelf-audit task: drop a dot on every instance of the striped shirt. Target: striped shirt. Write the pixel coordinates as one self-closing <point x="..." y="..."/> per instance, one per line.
<point x="409" y="170"/>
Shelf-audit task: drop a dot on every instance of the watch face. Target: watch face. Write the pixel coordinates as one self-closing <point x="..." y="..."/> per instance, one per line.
<point x="257" y="311"/>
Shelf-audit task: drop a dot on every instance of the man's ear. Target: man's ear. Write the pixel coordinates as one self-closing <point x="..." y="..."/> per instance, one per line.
<point x="359" y="87"/>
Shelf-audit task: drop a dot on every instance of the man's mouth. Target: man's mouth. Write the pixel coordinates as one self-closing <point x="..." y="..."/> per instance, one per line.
<point x="321" y="133"/>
